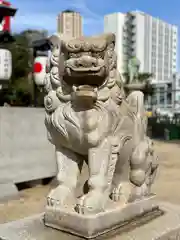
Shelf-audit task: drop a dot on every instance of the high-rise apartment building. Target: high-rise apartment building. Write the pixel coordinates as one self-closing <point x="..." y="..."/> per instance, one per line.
<point x="69" y="23"/>
<point x="153" y="41"/>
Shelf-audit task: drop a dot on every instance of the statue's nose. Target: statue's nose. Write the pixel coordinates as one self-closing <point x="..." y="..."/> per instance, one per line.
<point x="86" y="61"/>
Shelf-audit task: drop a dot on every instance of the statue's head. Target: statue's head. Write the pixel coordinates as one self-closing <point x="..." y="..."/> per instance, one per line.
<point x="86" y="60"/>
<point x="85" y="63"/>
<point x="85" y="66"/>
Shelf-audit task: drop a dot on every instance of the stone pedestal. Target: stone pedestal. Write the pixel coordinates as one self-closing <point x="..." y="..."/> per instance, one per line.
<point x="164" y="227"/>
<point x="90" y="226"/>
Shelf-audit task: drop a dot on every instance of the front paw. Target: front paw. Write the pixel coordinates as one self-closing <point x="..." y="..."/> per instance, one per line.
<point x="58" y="196"/>
<point x="91" y="203"/>
<point x="122" y="193"/>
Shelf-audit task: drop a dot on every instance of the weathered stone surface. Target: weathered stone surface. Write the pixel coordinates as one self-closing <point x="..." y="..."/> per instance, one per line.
<point x="165" y="227"/>
<point x="90" y="226"/>
<point x="8" y="191"/>
<point x="25" y="153"/>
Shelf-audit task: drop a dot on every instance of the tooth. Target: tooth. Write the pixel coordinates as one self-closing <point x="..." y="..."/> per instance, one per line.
<point x="68" y="71"/>
<point x="74" y="88"/>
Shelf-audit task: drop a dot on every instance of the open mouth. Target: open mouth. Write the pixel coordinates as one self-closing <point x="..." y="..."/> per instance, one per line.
<point x="94" y="76"/>
<point x="86" y="70"/>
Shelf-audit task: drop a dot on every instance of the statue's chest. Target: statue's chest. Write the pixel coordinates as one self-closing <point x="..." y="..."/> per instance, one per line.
<point x="86" y="128"/>
<point x="81" y="130"/>
<point x="80" y="124"/>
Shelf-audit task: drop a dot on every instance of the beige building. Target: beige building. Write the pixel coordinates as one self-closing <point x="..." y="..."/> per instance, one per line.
<point x="70" y="23"/>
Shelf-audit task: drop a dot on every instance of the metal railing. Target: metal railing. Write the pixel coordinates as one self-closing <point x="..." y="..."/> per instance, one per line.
<point x="168" y="99"/>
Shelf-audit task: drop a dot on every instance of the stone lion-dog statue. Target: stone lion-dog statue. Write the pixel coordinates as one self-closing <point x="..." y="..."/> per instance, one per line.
<point x="89" y="117"/>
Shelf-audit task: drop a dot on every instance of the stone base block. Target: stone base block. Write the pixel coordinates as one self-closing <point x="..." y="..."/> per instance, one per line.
<point x="8" y="191"/>
<point x="91" y="226"/>
<point x="164" y="227"/>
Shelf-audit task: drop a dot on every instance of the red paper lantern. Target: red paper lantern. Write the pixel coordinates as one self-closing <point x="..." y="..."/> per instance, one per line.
<point x="37" y="67"/>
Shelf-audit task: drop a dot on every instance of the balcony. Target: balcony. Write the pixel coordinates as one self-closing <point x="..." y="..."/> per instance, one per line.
<point x="130" y="16"/>
<point x="130" y="21"/>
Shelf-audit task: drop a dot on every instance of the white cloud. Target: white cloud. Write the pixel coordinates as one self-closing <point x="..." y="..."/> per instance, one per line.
<point x="34" y="20"/>
<point x="93" y="23"/>
<point x="89" y="16"/>
<point x="28" y="17"/>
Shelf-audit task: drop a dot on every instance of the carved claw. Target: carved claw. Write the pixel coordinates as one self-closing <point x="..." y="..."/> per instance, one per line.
<point x="91" y="203"/>
<point x="122" y="193"/>
<point x="58" y="196"/>
<point x="79" y="208"/>
<point x="140" y="192"/>
<point x="50" y="201"/>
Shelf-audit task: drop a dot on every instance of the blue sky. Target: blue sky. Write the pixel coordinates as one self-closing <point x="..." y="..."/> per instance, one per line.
<point x="42" y="14"/>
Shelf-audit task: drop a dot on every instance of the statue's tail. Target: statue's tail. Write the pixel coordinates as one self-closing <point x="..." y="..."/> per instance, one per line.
<point x="117" y="144"/>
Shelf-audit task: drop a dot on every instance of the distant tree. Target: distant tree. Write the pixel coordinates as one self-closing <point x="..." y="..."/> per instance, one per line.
<point x="34" y="35"/>
<point x="20" y="57"/>
<point x="21" y="87"/>
<point x="142" y="77"/>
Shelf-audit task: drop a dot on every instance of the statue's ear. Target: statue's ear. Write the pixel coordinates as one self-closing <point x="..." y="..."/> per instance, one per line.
<point x="54" y="40"/>
<point x="61" y="66"/>
<point x="57" y="40"/>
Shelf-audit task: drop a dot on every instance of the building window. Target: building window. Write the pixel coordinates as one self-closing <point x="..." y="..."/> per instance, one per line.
<point x="161" y="95"/>
<point x="154" y="99"/>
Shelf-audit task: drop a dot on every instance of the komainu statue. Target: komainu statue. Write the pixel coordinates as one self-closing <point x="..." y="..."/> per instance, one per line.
<point x="90" y="118"/>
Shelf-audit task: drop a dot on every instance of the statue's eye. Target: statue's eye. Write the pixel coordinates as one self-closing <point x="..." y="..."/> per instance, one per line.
<point x="102" y="54"/>
<point x="74" y="55"/>
<point x="71" y="55"/>
<point x="77" y="55"/>
<point x="98" y="55"/>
